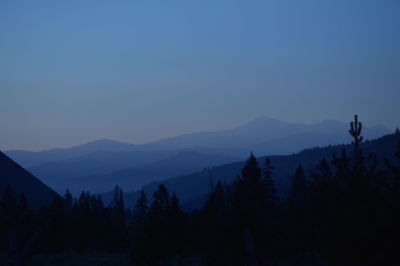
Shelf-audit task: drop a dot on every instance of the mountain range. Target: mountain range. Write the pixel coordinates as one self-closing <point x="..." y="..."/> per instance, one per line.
<point x="132" y="166"/>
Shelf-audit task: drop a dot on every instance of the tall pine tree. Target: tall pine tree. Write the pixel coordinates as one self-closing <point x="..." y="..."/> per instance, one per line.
<point x="141" y="207"/>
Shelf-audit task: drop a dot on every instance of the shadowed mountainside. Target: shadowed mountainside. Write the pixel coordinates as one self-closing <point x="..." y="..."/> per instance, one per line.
<point x="21" y="181"/>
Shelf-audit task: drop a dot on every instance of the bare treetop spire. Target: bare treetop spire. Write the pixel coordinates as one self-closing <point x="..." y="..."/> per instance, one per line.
<point x="355" y="131"/>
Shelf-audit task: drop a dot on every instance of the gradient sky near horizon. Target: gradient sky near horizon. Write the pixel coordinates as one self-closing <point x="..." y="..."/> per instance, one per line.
<point x="140" y="70"/>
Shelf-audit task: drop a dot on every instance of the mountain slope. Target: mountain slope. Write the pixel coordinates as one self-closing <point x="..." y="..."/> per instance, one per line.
<point x="134" y="178"/>
<point x="59" y="173"/>
<point x="36" y="192"/>
<point x="260" y="131"/>
<point x="29" y="158"/>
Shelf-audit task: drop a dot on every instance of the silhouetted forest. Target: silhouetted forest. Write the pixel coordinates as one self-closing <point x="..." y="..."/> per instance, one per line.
<point x="344" y="212"/>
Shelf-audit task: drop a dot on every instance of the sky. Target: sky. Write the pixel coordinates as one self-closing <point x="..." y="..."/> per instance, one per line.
<point x="141" y="70"/>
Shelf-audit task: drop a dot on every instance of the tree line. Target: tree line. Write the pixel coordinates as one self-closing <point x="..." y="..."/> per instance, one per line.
<point x="343" y="212"/>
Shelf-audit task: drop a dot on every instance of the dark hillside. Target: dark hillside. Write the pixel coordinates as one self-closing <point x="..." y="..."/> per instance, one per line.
<point x="21" y="181"/>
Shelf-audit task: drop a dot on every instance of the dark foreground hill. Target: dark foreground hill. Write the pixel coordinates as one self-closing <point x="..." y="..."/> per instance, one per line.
<point x="21" y="181"/>
<point x="192" y="189"/>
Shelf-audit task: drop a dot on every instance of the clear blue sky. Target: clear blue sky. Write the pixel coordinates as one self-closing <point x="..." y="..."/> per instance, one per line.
<point x="140" y="70"/>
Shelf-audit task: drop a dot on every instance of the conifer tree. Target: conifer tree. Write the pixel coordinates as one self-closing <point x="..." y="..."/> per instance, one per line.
<point x="299" y="185"/>
<point x="251" y="173"/>
<point x="158" y="239"/>
<point x="141" y="207"/>
<point x="358" y="158"/>
<point x="215" y="203"/>
<point x="175" y="230"/>
<point x="83" y="201"/>
<point x="250" y="187"/>
<point x="324" y="186"/>
<point x="174" y="206"/>
<point x="121" y="201"/>
<point x="355" y="132"/>
<point x="249" y="201"/>
<point x="100" y="202"/>
<point x="249" y="192"/>
<point x="324" y="172"/>
<point x="118" y="205"/>
<point x="161" y="201"/>
<point x="270" y="185"/>
<point x="68" y="199"/>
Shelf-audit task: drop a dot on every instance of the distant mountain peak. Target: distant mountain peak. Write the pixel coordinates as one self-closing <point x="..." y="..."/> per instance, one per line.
<point x="105" y="140"/>
<point x="102" y="141"/>
<point x="262" y="122"/>
<point x="265" y="119"/>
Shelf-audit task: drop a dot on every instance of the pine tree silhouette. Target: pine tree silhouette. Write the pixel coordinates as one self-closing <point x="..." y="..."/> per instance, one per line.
<point x="270" y="185"/>
<point x="251" y="173"/>
<point x="299" y="185"/>
<point x="249" y="193"/>
<point x="68" y="199"/>
<point x="355" y="132"/>
<point x="141" y="206"/>
<point x="118" y="205"/>
<point x="174" y="206"/>
<point x="161" y="200"/>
